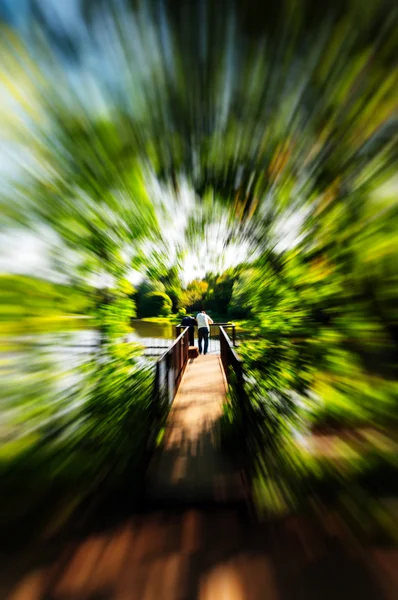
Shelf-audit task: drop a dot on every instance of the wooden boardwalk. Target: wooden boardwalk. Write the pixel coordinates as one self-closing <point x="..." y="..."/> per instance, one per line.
<point x="191" y="466"/>
<point x="209" y="549"/>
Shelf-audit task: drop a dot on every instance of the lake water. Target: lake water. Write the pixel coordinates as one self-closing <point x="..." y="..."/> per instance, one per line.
<point x="148" y="330"/>
<point x="156" y="337"/>
<point x="152" y="334"/>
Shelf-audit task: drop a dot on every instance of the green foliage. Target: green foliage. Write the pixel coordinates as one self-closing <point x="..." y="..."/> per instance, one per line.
<point x="113" y="318"/>
<point x="303" y="317"/>
<point x="62" y="452"/>
<point x="23" y="296"/>
<point x="321" y="355"/>
<point x="215" y="292"/>
<point x="219" y="293"/>
<point x="156" y="304"/>
<point x="194" y="295"/>
<point x="175" y="295"/>
<point x="146" y="287"/>
<point x="239" y="306"/>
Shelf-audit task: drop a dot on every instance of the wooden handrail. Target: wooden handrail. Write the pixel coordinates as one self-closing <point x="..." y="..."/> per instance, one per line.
<point x="233" y="369"/>
<point x="170" y="368"/>
<point x="220" y="325"/>
<point x="230" y="343"/>
<point x="176" y="341"/>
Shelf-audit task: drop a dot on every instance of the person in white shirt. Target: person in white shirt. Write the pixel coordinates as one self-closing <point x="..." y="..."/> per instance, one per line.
<point x="203" y="330"/>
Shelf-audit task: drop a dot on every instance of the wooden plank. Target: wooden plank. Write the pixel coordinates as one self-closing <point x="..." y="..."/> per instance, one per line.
<point x="191" y="465"/>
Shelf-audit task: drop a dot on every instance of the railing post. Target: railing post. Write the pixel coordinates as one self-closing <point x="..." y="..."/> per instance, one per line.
<point x="233" y="335"/>
<point x="186" y="348"/>
<point x="175" y="368"/>
<point x="180" y="356"/>
<point x="156" y="390"/>
<point x="241" y="395"/>
<point x="223" y="352"/>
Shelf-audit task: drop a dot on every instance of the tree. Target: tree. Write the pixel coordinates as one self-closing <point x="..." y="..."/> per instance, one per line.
<point x="143" y="289"/>
<point x="241" y="301"/>
<point x="219" y="292"/>
<point x="194" y="295"/>
<point x="172" y="283"/>
<point x="156" y="304"/>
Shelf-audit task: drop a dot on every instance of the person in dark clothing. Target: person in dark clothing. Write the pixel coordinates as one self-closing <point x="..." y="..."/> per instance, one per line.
<point x="191" y="323"/>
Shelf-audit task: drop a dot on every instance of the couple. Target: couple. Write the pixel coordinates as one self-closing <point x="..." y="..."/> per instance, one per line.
<point x="203" y="322"/>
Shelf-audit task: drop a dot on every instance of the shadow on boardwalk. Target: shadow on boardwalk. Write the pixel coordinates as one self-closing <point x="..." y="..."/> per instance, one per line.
<point x="210" y="554"/>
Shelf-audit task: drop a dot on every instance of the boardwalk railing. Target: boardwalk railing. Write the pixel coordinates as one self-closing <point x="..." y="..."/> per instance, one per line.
<point x="170" y="368"/>
<point x="241" y="442"/>
<point x="214" y="344"/>
<point x="233" y="367"/>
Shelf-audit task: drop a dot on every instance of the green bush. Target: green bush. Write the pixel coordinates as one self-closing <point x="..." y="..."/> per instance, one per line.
<point x="156" y="304"/>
